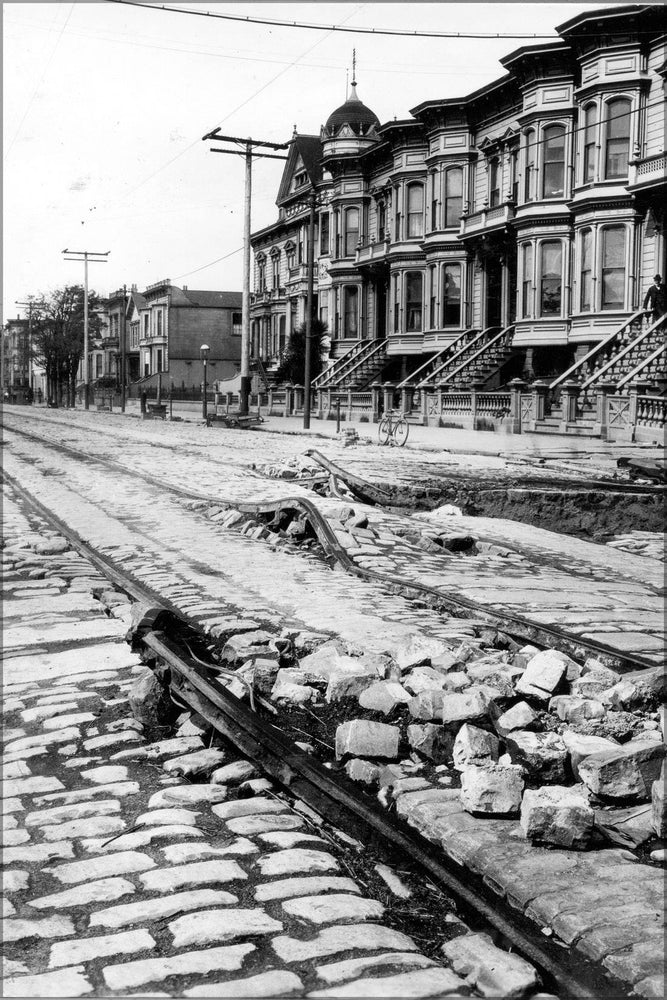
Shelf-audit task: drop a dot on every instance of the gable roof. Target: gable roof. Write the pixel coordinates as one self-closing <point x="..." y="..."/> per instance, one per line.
<point x="306" y="150"/>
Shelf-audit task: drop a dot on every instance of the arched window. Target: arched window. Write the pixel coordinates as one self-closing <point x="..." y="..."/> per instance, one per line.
<point x="275" y="268"/>
<point x="451" y="295"/>
<point x="453" y="197"/>
<point x="351" y="314"/>
<point x="415" y="210"/>
<point x="529" y="160"/>
<point x="617" y="145"/>
<point x="550" y="277"/>
<point x="590" y="129"/>
<point x="613" y="267"/>
<point x="261" y="274"/>
<point x="527" y="280"/>
<point x="553" y="180"/>
<point x="413" y="301"/>
<point x="351" y="231"/>
<point x="585" y="296"/>
<point x="494" y="182"/>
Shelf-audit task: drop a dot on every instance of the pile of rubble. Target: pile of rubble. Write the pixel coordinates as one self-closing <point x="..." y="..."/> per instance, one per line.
<point x="298" y="467"/>
<point x="640" y="543"/>
<point x="575" y="751"/>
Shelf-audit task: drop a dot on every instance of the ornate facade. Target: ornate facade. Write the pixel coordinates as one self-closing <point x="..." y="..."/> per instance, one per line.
<point x="525" y="220"/>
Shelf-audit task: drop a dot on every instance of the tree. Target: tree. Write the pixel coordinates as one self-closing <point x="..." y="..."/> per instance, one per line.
<point x="293" y="361"/>
<point x="57" y="342"/>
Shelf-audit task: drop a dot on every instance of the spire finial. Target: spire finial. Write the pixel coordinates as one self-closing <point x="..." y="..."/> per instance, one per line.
<point x="294" y="133"/>
<point x="354" y="67"/>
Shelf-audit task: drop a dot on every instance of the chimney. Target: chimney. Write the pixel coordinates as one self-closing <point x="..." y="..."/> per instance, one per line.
<point x="133" y="288"/>
<point x="184" y="288"/>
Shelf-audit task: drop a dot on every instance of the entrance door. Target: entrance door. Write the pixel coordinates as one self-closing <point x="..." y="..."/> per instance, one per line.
<point x="380" y="310"/>
<point x="494" y="273"/>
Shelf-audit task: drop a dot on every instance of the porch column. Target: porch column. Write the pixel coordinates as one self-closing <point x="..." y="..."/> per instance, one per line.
<point x="604" y="391"/>
<point x="376" y="395"/>
<point x="539" y="391"/>
<point x="388" y="393"/>
<point x="516" y="385"/>
<point x="569" y="397"/>
<point x="637" y="389"/>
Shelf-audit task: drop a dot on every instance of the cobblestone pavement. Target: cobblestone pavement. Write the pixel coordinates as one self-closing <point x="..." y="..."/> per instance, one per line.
<point x="119" y="876"/>
<point x="599" y="592"/>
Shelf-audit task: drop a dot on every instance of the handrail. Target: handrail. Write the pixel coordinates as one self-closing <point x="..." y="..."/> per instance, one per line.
<point x="594" y="350"/>
<point x="471" y="343"/>
<point x="490" y="343"/>
<point x="322" y="379"/>
<point x="365" y="351"/>
<point x="445" y="350"/>
<point x="642" y="364"/>
<point x="642" y="335"/>
<point x="361" y="360"/>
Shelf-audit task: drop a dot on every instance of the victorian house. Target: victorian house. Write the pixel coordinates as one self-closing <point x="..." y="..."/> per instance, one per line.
<point x="506" y="235"/>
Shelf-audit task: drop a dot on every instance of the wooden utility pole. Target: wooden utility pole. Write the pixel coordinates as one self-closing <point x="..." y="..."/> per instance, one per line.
<point x="123" y="348"/>
<point x="30" y="304"/>
<point x="95" y="257"/>
<point x="248" y="153"/>
<point x="309" y="313"/>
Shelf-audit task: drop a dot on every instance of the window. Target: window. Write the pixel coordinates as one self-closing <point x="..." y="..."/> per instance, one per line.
<point x="494" y="183"/>
<point x="290" y="253"/>
<point x="397" y="214"/>
<point x="451" y="295"/>
<point x="590" y="127"/>
<point x="586" y="270"/>
<point x="159" y="360"/>
<point x="617" y="147"/>
<point x="351" y="315"/>
<point x="527" y="284"/>
<point x="613" y="267"/>
<point x="415" y="210"/>
<point x="281" y="333"/>
<point x="514" y="175"/>
<point x="434" y="201"/>
<point x="275" y="270"/>
<point x="237" y="324"/>
<point x="146" y="321"/>
<point x="550" y="278"/>
<point x="351" y="231"/>
<point x="300" y="179"/>
<point x="397" y="304"/>
<point x="453" y="197"/>
<point x="292" y="315"/>
<point x="529" y="175"/>
<point x="98" y="365"/>
<point x="381" y="220"/>
<point x="254" y="339"/>
<point x="413" y="301"/>
<point x="553" y="180"/>
<point x="159" y="325"/>
<point x="261" y="276"/>
<point x="432" y="300"/>
<point x="324" y="315"/>
<point x="324" y="233"/>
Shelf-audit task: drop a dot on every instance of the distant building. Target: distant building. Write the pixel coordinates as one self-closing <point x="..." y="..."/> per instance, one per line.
<point x="173" y="323"/>
<point x="16" y="367"/>
<point x="508" y="233"/>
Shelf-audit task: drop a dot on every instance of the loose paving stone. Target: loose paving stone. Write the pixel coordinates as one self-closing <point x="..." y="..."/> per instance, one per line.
<point x="102" y="891"/>
<point x="178" y="853"/>
<point x="159" y="909"/>
<point x="120" y="790"/>
<point x="11" y="838"/>
<point x="289" y="888"/>
<point x="170" y="879"/>
<point x="48" y="927"/>
<point x="247" y="807"/>
<point x="289" y="862"/>
<point x="77" y="719"/>
<point x="158" y="817"/>
<point x="15" y="881"/>
<point x="106" y="775"/>
<point x="339" y="972"/>
<point x="273" y="983"/>
<point x="192" y="764"/>
<point x="362" y="937"/>
<point x="38" y="853"/>
<point x="287" y="839"/>
<point x="336" y="908"/>
<point x="181" y="794"/>
<point x="11" y="806"/>
<point x="110" y="740"/>
<point x="139" y="838"/>
<point x="138" y="973"/>
<point x="64" y="983"/>
<point x="60" y="814"/>
<point x="92" y="827"/>
<point x="88" y="949"/>
<point x="434" y="982"/>
<point x="122" y="863"/>
<point x="14" y="787"/>
<point x="490" y="970"/>
<point x="248" y="826"/>
<point x="207" y="926"/>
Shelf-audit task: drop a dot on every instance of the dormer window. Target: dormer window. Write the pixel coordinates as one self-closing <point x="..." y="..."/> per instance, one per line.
<point x="300" y="179"/>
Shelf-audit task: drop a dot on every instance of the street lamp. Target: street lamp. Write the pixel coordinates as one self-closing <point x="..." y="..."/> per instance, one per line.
<point x="203" y="353"/>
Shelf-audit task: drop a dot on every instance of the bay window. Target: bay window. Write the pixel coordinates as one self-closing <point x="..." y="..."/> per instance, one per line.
<point x="453" y="197"/>
<point x="432" y="301"/>
<point x="324" y="233"/>
<point x="351" y="314"/>
<point x="586" y="271"/>
<point x="529" y="174"/>
<point x="413" y="301"/>
<point x="527" y="280"/>
<point x="553" y="181"/>
<point x="351" y="231"/>
<point x="617" y="144"/>
<point x="613" y="267"/>
<point x="451" y="295"/>
<point x="550" y="277"/>
<point x="590" y="129"/>
<point x="415" y="210"/>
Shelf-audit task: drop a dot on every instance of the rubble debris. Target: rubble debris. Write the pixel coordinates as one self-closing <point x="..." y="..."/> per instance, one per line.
<point x="555" y="814"/>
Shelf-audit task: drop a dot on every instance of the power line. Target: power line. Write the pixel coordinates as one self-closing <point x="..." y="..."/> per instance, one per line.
<point x="210" y="264"/>
<point x="273" y="22"/>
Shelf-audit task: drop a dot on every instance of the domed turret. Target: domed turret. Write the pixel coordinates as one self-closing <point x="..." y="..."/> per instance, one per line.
<point x="351" y="127"/>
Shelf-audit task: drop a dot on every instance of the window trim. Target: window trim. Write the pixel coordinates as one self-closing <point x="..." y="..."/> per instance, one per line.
<point x="542" y="278"/>
<point x="413" y="215"/>
<point x="411" y="304"/>
<point x="608" y="121"/>
<point x="553" y="127"/>
<point x="450" y="199"/>
<point x="603" y="230"/>
<point x="349" y="231"/>
<point x="589" y="152"/>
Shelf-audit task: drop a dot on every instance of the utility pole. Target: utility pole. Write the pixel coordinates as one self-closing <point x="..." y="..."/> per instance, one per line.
<point x="248" y="153"/>
<point x="309" y="312"/>
<point x="30" y="304"/>
<point x="95" y="257"/>
<point x="122" y="352"/>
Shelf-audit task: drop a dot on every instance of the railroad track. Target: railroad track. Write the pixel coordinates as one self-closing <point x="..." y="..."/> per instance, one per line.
<point x="516" y="627"/>
<point x="165" y="639"/>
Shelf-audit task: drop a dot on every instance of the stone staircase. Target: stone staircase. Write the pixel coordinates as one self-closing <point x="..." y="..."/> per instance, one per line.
<point x="421" y="375"/>
<point x="478" y="362"/>
<point x="356" y="369"/>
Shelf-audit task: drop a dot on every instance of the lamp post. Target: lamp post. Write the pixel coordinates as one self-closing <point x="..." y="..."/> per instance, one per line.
<point x="203" y="352"/>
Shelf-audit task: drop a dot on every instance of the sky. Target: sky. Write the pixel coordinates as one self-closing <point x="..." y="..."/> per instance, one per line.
<point x="105" y="106"/>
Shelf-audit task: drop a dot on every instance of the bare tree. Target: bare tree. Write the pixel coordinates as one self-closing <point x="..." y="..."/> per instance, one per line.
<point x="57" y="342"/>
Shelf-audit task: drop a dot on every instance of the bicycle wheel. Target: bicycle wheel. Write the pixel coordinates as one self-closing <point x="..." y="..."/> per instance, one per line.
<point x="384" y="430"/>
<point x="401" y="431"/>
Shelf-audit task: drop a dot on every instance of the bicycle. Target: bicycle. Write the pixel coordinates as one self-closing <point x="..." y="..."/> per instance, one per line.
<point x="393" y="429"/>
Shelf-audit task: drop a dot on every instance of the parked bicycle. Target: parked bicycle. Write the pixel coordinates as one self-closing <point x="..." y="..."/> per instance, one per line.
<point x="393" y="429"/>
